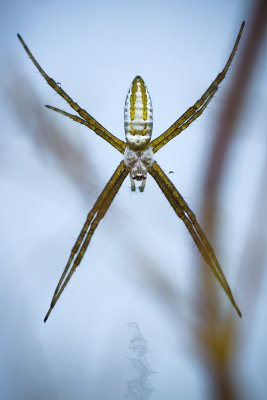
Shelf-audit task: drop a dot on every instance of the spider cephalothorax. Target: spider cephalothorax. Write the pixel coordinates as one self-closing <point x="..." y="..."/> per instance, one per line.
<point x="138" y="160"/>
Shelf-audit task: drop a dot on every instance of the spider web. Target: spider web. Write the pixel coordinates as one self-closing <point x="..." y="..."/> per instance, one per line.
<point x="138" y="388"/>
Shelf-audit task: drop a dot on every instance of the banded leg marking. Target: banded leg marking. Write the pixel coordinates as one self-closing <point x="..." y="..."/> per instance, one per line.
<point x="196" y="110"/>
<point x="183" y="211"/>
<point x="94" y="125"/>
<point x="94" y="217"/>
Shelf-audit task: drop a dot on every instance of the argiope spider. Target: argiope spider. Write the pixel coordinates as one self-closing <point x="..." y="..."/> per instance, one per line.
<point x="138" y="153"/>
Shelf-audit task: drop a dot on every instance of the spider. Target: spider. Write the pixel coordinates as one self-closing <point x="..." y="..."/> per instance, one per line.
<point x="138" y="151"/>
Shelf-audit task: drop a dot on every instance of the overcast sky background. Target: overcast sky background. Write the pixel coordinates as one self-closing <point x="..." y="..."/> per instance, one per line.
<point x="95" y="49"/>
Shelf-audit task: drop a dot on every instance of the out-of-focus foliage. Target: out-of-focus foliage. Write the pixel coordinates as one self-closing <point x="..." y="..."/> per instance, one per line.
<point x="136" y="268"/>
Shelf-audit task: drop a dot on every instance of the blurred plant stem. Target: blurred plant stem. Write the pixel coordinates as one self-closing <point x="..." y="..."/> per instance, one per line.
<point x="49" y="139"/>
<point x="218" y="334"/>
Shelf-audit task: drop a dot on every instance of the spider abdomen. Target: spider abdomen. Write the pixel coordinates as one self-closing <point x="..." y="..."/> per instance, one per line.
<point x="138" y="115"/>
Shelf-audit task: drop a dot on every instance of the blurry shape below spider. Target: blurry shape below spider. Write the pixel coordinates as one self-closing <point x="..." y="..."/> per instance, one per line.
<point x="138" y="153"/>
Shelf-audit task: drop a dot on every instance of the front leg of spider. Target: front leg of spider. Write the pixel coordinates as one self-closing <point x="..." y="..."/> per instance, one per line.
<point x="183" y="211"/>
<point x="138" y="157"/>
<point x="94" y="217"/>
<point x="138" y="161"/>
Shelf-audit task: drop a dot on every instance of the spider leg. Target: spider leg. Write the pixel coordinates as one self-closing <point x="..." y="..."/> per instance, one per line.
<point x="98" y="204"/>
<point x="187" y="216"/>
<point x="196" y="110"/>
<point x="187" y="123"/>
<point x="120" y="147"/>
<point x="94" y="217"/>
<point x="94" y="125"/>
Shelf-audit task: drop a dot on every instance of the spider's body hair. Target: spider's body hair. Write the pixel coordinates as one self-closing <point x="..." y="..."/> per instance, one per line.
<point x="138" y="115"/>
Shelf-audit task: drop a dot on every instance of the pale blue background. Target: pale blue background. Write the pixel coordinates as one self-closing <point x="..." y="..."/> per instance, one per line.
<point x="94" y="49"/>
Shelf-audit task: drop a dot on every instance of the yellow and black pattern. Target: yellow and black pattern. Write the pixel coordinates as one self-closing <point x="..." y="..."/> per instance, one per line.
<point x="138" y="160"/>
<point x="94" y="217"/>
<point x="183" y="211"/>
<point x="91" y="122"/>
<point x="197" y="109"/>
<point x="138" y="115"/>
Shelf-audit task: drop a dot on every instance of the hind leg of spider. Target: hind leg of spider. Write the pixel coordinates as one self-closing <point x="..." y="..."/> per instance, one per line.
<point x="196" y="110"/>
<point x="93" y="124"/>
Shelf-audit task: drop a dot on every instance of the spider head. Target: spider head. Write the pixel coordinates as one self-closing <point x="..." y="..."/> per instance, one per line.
<point x="138" y="117"/>
<point x="138" y="162"/>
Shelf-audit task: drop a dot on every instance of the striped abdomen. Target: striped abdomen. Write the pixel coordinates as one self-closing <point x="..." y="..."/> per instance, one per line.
<point x="138" y="116"/>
